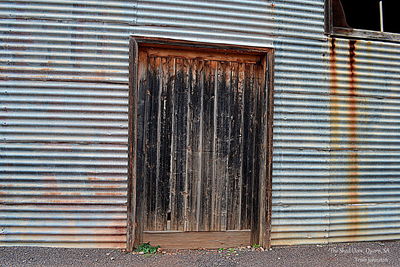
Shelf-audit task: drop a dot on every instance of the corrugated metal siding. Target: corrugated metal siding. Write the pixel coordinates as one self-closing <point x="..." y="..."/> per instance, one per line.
<point x="243" y="22"/>
<point x="336" y="133"/>
<point x="63" y="135"/>
<point x="335" y="141"/>
<point x="365" y="138"/>
<point x="301" y="174"/>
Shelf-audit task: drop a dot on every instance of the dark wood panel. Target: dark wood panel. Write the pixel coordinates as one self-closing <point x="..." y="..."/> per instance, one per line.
<point x="196" y="240"/>
<point x="202" y="142"/>
<point x="199" y="144"/>
<point x="198" y="148"/>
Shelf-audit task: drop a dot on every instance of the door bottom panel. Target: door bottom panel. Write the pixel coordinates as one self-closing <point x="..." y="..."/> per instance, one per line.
<point x="197" y="240"/>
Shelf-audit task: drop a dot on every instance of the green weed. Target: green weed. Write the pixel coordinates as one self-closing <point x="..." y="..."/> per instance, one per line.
<point x="146" y="248"/>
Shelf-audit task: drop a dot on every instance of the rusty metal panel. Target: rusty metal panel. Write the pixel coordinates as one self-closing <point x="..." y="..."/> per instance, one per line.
<point x="364" y="115"/>
<point x="63" y="134"/>
<point x="335" y="133"/>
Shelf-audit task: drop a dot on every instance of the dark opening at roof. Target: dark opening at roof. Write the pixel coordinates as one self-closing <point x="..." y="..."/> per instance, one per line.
<point x="365" y="14"/>
<point x="391" y="16"/>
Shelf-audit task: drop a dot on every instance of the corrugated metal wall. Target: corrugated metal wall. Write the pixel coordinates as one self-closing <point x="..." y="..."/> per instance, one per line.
<point x="63" y="133"/>
<point x="301" y="174"/>
<point x="336" y="117"/>
<point x="365" y="141"/>
<point x="243" y="22"/>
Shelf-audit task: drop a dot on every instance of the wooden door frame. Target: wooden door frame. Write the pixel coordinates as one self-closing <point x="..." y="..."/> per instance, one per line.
<point x="261" y="232"/>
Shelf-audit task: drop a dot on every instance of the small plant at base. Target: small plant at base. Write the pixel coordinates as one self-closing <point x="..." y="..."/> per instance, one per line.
<point x="146" y="248"/>
<point x="256" y="246"/>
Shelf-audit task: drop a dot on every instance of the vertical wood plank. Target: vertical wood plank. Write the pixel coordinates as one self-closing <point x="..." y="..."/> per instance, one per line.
<point x="214" y="189"/>
<point x="245" y="129"/>
<point x="256" y="153"/>
<point x="177" y="219"/>
<point x="251" y="142"/>
<point x="152" y="97"/>
<point x="186" y="70"/>
<point x="131" y="232"/>
<point x="164" y="142"/>
<point x="235" y="155"/>
<point x="172" y="182"/>
<point x="241" y="91"/>
<point x="247" y="148"/>
<point x="265" y="198"/>
<point x="157" y="218"/>
<point x="221" y="145"/>
<point x="208" y="146"/>
<point x="194" y="120"/>
<point x="265" y="235"/>
<point x="228" y="94"/>
<point x="141" y="211"/>
<point x="200" y="81"/>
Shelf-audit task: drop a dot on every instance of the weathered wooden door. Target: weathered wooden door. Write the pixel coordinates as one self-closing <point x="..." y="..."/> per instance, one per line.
<point x="201" y="150"/>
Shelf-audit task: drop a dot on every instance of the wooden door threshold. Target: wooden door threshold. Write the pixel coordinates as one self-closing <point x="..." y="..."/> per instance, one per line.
<point x="197" y="240"/>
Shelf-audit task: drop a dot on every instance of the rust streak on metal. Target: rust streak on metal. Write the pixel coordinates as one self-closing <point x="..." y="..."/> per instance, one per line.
<point x="352" y="143"/>
<point x="347" y="140"/>
<point x="334" y="102"/>
<point x="334" y="108"/>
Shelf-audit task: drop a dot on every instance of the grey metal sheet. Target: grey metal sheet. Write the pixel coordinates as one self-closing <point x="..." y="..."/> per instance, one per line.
<point x="63" y="134"/>
<point x="365" y="191"/>
<point x="238" y="22"/>
<point x="336" y="148"/>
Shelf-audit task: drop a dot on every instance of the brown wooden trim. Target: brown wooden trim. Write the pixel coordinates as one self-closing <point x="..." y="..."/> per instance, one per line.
<point x="266" y="241"/>
<point x="197" y="240"/>
<point x="262" y="234"/>
<point x="208" y="55"/>
<point x="366" y="34"/>
<point x="131" y="197"/>
<point x="189" y="45"/>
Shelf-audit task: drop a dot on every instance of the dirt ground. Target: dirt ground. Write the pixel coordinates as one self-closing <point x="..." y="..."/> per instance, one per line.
<point x="348" y="255"/>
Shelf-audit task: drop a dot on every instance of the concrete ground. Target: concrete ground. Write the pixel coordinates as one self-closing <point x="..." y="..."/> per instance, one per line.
<point x="348" y="255"/>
